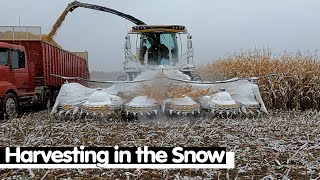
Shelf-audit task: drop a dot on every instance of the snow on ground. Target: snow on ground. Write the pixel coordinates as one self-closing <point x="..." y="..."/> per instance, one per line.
<point x="282" y="145"/>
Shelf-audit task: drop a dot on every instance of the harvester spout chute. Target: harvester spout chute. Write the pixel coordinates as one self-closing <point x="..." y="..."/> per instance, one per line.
<point x="77" y="4"/>
<point x="72" y="6"/>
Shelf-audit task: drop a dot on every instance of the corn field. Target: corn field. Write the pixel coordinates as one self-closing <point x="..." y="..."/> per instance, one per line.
<point x="281" y="145"/>
<point x="295" y="86"/>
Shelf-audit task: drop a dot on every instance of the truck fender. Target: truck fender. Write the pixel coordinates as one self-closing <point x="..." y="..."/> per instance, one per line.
<point x="5" y="87"/>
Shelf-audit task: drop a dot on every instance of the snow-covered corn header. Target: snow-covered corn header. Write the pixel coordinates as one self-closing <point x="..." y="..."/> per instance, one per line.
<point x="159" y="79"/>
<point x="160" y="91"/>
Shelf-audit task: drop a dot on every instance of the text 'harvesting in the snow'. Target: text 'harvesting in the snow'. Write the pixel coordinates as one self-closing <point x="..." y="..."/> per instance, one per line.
<point x="116" y="157"/>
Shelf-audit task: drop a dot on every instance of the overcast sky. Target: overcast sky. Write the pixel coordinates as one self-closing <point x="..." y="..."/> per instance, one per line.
<point x="219" y="27"/>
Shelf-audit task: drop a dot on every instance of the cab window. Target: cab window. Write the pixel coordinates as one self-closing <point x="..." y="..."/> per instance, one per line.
<point x="4" y="54"/>
<point x="18" y="59"/>
<point x="21" y="59"/>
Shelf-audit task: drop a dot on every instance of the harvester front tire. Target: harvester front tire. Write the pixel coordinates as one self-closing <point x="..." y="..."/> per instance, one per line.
<point x="122" y="78"/>
<point x="10" y="106"/>
<point x="195" y="77"/>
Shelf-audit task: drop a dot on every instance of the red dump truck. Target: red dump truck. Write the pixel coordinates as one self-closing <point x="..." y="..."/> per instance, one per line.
<point x="26" y="65"/>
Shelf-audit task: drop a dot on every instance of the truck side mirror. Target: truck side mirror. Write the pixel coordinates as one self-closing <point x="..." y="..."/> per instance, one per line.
<point x="128" y="43"/>
<point x="189" y="37"/>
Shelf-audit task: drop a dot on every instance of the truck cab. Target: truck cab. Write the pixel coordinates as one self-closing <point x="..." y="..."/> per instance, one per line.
<point x="29" y="66"/>
<point x="16" y="77"/>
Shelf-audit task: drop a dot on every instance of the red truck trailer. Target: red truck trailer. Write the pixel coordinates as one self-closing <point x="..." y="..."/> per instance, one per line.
<point x="26" y="66"/>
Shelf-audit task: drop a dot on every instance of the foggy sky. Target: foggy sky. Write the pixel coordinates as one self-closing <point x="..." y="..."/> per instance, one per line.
<point x="218" y="28"/>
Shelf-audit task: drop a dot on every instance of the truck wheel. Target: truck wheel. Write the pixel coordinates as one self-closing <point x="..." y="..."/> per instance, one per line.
<point x="47" y="101"/>
<point x="54" y="97"/>
<point x="10" y="105"/>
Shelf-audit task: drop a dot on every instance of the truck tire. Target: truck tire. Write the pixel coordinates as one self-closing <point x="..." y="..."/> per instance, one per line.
<point x="54" y="97"/>
<point x="47" y="102"/>
<point x="10" y="105"/>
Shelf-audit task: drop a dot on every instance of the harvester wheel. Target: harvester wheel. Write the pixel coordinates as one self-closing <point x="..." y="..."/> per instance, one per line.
<point x="122" y="78"/>
<point x="10" y="105"/>
<point x="131" y="77"/>
<point x="195" y="77"/>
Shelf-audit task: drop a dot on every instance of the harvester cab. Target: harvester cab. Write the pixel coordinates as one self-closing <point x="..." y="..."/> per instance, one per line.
<point x="149" y="46"/>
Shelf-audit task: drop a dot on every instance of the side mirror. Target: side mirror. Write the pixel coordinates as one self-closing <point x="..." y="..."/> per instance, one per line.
<point x="189" y="42"/>
<point x="128" y="43"/>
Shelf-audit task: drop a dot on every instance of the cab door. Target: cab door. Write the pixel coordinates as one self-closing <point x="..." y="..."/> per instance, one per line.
<point x="20" y="76"/>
